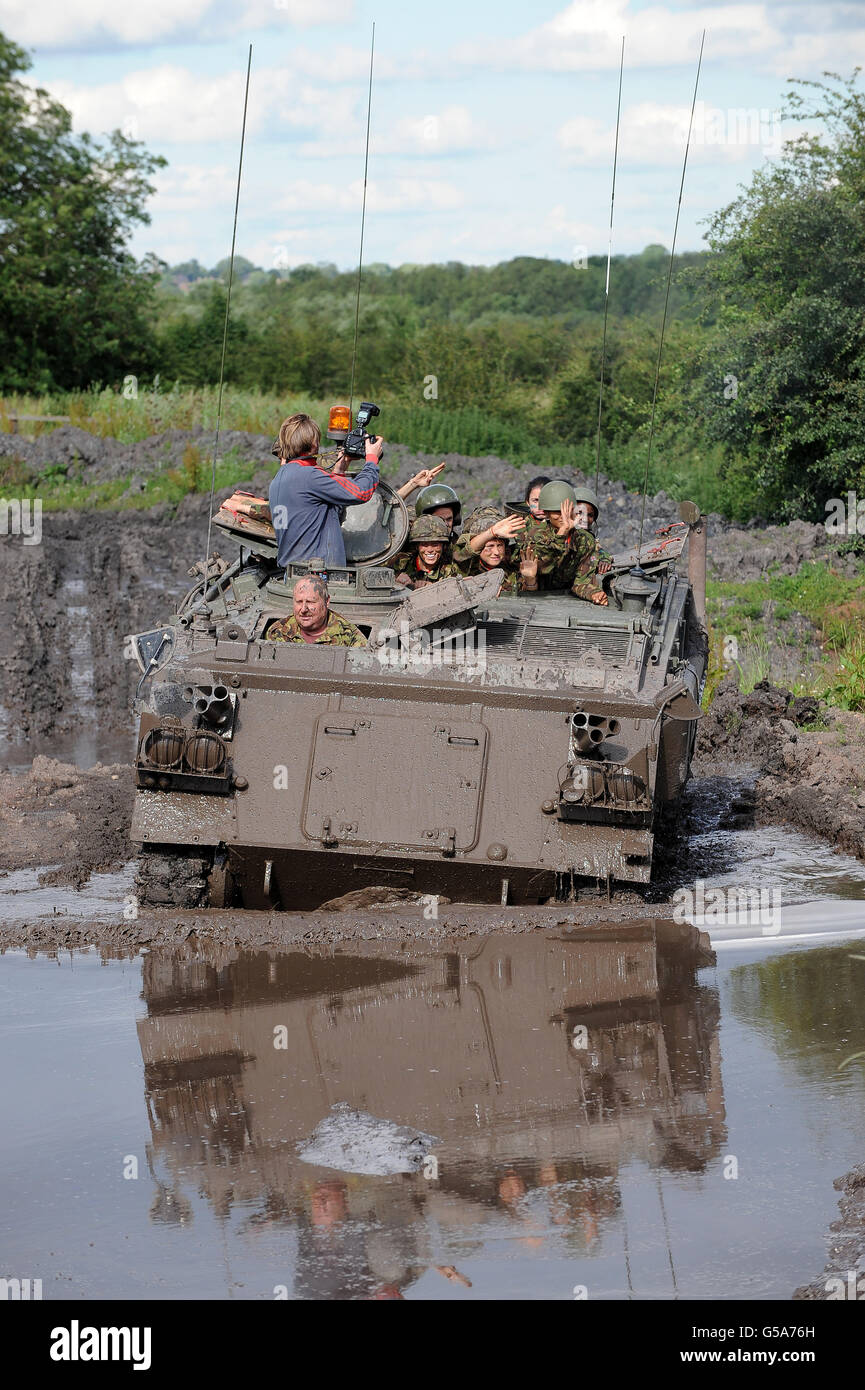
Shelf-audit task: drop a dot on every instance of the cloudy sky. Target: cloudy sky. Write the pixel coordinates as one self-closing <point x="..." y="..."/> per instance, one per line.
<point x="492" y="120"/>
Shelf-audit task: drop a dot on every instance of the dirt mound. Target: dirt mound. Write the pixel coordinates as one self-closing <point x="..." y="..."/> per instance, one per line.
<point x="806" y="776"/>
<point x="56" y="814"/>
<point x="744" y="730"/>
<point x="747" y="554"/>
<point x="91" y="458"/>
<point x="65" y="606"/>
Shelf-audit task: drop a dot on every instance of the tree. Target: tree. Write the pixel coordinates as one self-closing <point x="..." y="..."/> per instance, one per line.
<point x="783" y="382"/>
<point x="73" y="302"/>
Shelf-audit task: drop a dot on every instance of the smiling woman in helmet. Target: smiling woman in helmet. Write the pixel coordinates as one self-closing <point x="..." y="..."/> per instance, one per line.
<point x="427" y="559"/>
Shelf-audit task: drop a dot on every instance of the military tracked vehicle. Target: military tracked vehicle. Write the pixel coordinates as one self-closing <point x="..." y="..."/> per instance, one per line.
<point x="504" y="749"/>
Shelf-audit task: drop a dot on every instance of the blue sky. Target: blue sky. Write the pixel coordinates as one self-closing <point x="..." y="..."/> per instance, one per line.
<point x="492" y="121"/>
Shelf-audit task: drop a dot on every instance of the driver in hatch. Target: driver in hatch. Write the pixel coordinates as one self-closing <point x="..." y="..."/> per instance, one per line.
<point x="306" y="499"/>
<point x="313" y="620"/>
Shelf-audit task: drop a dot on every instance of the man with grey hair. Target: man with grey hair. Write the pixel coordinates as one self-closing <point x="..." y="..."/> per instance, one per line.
<point x="313" y="620"/>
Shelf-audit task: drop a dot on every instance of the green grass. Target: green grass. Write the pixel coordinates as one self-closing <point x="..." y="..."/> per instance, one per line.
<point x="847" y="688"/>
<point x="109" y="414"/>
<point x="520" y="434"/>
<point x="169" y="485"/>
<point x="833" y="603"/>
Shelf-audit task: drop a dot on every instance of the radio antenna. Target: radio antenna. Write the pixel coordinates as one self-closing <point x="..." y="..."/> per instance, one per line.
<point x="667" y="300"/>
<point x="362" y="220"/>
<point x="225" y="326"/>
<point x="607" y="286"/>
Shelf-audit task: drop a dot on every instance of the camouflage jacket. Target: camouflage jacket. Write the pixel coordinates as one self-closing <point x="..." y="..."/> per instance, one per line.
<point x="338" y="633"/>
<point x="548" y="547"/>
<point x="512" y="583"/>
<point x="406" y="563"/>
<point x="564" y="562"/>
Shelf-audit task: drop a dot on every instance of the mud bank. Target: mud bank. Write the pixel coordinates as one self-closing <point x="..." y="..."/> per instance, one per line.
<point x="91" y="459"/>
<point x="197" y="930"/>
<point x="65" y="606"/>
<point x="846" y="1248"/>
<point x="58" y="815"/>
<point x="809" y="777"/>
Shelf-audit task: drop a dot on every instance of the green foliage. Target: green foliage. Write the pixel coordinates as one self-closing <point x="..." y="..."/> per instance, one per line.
<point x="847" y="689"/>
<point x="782" y="385"/>
<point x="833" y="603"/>
<point x="169" y="485"/>
<point x="73" y="302"/>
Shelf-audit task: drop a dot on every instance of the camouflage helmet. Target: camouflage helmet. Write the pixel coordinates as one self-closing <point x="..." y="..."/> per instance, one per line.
<point x="552" y="495"/>
<point x="583" y="493"/>
<point x="438" y="495"/>
<point x="483" y="517"/>
<point x="429" y="530"/>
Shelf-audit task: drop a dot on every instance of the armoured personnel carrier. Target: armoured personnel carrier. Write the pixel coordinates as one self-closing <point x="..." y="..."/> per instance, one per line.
<point x="504" y="749"/>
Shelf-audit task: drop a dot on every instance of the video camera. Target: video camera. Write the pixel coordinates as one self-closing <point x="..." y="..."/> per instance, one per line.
<point x="354" y="441"/>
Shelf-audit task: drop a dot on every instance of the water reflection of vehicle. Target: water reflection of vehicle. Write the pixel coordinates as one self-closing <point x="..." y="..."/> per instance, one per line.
<point x="542" y="1064"/>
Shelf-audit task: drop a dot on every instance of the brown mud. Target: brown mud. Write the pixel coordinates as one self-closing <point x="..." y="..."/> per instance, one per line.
<point x="75" y="821"/>
<point x="847" y="1246"/>
<point x="193" y="931"/>
<point x="808" y="776"/>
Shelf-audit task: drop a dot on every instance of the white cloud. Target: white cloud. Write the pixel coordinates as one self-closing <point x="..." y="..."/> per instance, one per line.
<point x="397" y="195"/>
<point x="341" y="121"/>
<point x="588" y="35"/>
<point x="654" y="133"/>
<point x="451" y="131"/>
<point x="165" y="104"/>
<point x="335" y="115"/>
<point x="194" y="188"/>
<point x="93" y="23"/>
<point x="827" y="49"/>
<point x="173" y="104"/>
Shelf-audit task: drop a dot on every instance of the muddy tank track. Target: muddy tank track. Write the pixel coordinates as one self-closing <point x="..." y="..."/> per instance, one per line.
<point x="166" y="877"/>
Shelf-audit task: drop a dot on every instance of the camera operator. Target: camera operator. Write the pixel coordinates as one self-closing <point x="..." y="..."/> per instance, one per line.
<point x="306" y="499"/>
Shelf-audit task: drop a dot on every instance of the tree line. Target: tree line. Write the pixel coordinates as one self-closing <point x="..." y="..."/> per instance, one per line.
<point x="763" y="362"/>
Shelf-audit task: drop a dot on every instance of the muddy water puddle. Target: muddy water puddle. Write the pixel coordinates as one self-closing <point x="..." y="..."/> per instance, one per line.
<point x="105" y="897"/>
<point x="591" y="1118"/>
<point x="85" y="746"/>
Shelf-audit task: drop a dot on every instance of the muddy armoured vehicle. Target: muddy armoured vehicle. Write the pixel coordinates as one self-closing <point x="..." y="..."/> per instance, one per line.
<point x="502" y="749"/>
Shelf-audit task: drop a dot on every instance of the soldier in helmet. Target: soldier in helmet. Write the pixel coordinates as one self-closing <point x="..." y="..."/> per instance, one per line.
<point x="541" y="530"/>
<point x="567" y="556"/>
<point x="427" y="558"/>
<point x="435" y="500"/>
<point x="586" y="512"/>
<point x="487" y="544"/>
<point x="440" y="500"/>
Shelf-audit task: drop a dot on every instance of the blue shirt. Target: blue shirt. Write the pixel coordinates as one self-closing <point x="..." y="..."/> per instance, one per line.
<point x="304" y="503"/>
